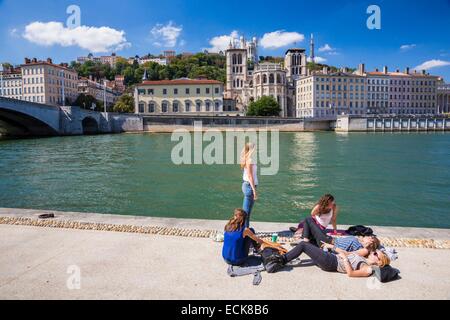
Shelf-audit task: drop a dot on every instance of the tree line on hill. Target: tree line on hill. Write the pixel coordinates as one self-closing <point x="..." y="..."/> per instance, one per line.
<point x="210" y="66"/>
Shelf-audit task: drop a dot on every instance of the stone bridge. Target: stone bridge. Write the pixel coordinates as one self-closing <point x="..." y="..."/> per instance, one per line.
<point x="22" y="118"/>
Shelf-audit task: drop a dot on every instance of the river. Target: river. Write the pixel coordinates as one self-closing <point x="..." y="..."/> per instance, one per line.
<point x="378" y="179"/>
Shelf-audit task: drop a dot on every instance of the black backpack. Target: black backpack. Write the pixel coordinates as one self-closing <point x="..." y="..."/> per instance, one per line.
<point x="272" y="260"/>
<point x="360" y="231"/>
<point x="386" y="274"/>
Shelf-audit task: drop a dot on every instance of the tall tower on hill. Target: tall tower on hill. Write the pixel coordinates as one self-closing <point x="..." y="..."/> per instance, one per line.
<point x="311" y="49"/>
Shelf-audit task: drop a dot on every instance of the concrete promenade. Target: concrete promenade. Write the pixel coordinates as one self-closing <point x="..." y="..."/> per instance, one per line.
<point x="35" y="261"/>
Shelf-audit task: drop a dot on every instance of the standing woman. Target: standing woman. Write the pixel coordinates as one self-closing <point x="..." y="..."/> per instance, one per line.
<point x="250" y="177"/>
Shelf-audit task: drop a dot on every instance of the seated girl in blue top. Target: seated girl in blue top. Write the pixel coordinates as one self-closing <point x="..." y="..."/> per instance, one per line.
<point x="237" y="240"/>
<point x="236" y="245"/>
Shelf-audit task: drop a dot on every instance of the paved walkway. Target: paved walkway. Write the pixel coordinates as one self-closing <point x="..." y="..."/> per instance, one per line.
<point x="35" y="261"/>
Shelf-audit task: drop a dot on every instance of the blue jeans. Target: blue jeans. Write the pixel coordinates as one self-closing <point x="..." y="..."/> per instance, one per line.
<point x="249" y="201"/>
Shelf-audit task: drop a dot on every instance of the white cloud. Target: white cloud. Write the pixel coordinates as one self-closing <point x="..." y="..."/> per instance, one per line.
<point x="220" y="43"/>
<point x="326" y="48"/>
<point x="280" y="38"/>
<point x="94" y="39"/>
<point x="407" y="47"/>
<point x="427" y="65"/>
<point x="166" y="35"/>
<point x="317" y="60"/>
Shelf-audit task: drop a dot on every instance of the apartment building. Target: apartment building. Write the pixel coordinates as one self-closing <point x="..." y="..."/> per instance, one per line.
<point x="111" y="59"/>
<point x="99" y="91"/>
<point x="48" y="83"/>
<point x="407" y="92"/>
<point x="186" y="96"/>
<point x="443" y="96"/>
<point x="324" y="94"/>
<point x="11" y="83"/>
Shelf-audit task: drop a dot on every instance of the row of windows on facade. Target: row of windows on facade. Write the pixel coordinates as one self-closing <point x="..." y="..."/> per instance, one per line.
<point x="41" y="99"/>
<point x="333" y="88"/>
<point x="351" y="80"/>
<point x="176" y="91"/>
<point x="12" y="83"/>
<point x="12" y="91"/>
<point x="373" y="104"/>
<point x="237" y="59"/>
<point x="29" y="90"/>
<point x="322" y="113"/>
<point x="401" y="89"/>
<point x="176" y="107"/>
<point x="375" y="81"/>
<point x="324" y="104"/>
<point x="370" y="96"/>
<point x="402" y="82"/>
<point x="360" y="104"/>
<point x="271" y="79"/>
<point x="50" y="81"/>
<point x="67" y="75"/>
<point x="370" y="89"/>
<point x="237" y="70"/>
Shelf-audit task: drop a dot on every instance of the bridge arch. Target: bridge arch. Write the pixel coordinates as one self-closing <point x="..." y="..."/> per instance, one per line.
<point x="21" y="120"/>
<point x="90" y="126"/>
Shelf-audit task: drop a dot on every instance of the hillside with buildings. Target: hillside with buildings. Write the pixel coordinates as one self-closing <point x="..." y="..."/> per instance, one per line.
<point x="225" y="82"/>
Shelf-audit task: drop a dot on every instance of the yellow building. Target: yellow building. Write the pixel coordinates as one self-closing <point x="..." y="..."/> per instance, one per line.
<point x="185" y="96"/>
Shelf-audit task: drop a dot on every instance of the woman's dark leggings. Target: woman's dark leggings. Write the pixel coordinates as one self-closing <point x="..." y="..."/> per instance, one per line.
<point x="314" y="234"/>
<point x="324" y="260"/>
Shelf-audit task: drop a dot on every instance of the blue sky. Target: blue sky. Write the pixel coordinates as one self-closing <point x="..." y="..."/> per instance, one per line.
<point x="412" y="32"/>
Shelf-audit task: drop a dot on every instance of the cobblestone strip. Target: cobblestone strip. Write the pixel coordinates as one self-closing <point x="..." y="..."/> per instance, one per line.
<point x="60" y="224"/>
<point x="193" y="233"/>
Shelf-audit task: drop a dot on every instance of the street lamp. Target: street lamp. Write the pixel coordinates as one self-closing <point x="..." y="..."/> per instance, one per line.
<point x="1" y="79"/>
<point x="63" y="89"/>
<point x="104" y="95"/>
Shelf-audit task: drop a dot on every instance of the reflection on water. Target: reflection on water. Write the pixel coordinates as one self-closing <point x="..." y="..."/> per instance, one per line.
<point x="378" y="179"/>
<point x="303" y="167"/>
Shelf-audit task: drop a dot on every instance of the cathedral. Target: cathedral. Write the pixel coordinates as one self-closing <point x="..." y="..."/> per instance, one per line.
<point x="248" y="79"/>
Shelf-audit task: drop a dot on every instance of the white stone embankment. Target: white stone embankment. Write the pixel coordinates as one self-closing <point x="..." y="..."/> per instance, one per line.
<point x="39" y="262"/>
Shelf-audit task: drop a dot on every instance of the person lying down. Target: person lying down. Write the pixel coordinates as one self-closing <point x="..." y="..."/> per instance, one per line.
<point x="352" y="264"/>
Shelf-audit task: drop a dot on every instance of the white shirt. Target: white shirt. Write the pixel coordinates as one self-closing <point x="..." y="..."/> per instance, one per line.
<point x="325" y="219"/>
<point x="255" y="175"/>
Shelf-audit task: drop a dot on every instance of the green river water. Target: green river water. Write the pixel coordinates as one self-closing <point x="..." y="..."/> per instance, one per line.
<point x="378" y="179"/>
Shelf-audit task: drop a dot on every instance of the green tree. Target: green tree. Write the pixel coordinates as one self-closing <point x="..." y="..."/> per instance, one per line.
<point x="7" y="65"/>
<point x="125" y="104"/>
<point x="86" y="101"/>
<point x="264" y="107"/>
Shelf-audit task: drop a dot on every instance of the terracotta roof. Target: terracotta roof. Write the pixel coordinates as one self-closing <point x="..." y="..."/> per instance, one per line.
<point x="378" y="73"/>
<point x="40" y="63"/>
<point x="180" y="82"/>
<point x="400" y="74"/>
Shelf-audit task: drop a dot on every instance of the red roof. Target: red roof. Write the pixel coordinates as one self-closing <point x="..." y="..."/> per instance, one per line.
<point x="40" y="63"/>
<point x="180" y="82"/>
<point x="399" y="74"/>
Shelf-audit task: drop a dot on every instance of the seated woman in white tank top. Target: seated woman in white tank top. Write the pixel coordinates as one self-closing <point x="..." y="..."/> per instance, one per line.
<point x="323" y="214"/>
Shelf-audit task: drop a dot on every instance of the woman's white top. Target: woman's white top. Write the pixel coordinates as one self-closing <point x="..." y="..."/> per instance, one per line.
<point x="255" y="175"/>
<point x="325" y="219"/>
